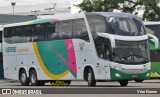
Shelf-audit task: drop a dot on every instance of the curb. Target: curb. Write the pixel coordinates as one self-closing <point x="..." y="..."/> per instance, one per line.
<point x="8" y="81"/>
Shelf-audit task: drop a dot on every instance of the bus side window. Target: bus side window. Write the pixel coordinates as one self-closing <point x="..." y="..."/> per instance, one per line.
<point x="65" y="29"/>
<point x="80" y="30"/>
<point x="38" y="32"/>
<point x="27" y="30"/>
<point x="17" y="35"/>
<point x="7" y="35"/>
<point x="49" y="30"/>
<point x="155" y="29"/>
<point x="154" y="55"/>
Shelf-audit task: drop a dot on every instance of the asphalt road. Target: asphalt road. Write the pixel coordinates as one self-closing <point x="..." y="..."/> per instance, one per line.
<point x="148" y="88"/>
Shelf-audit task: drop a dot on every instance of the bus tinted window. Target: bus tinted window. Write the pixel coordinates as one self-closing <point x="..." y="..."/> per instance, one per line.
<point x="97" y="23"/>
<point x="155" y="55"/>
<point x="7" y="35"/>
<point x="65" y="29"/>
<point x="18" y="35"/>
<point x="49" y="31"/>
<point x="80" y="30"/>
<point x="38" y="32"/>
<point x="155" y="28"/>
<point x="127" y="27"/>
<point x="27" y="31"/>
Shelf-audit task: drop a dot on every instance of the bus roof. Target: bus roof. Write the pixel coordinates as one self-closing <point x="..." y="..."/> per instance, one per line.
<point x="45" y="19"/>
<point x="151" y="23"/>
<point x="60" y="17"/>
<point x="113" y="14"/>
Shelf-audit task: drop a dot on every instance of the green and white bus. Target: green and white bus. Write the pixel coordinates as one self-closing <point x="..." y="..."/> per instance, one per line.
<point x="102" y="46"/>
<point x="154" y="29"/>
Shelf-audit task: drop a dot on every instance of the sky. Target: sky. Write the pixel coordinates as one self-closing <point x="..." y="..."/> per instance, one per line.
<point x="4" y="3"/>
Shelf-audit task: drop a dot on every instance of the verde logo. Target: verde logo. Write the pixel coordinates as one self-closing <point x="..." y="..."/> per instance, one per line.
<point x="11" y="49"/>
<point x="81" y="45"/>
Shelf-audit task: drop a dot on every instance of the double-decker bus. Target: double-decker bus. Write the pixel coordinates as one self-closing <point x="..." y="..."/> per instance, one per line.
<point x="154" y="29"/>
<point x="100" y="46"/>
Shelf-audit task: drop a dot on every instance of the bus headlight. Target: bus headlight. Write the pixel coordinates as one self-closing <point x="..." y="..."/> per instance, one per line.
<point x="147" y="67"/>
<point x="117" y="75"/>
<point x="147" y="75"/>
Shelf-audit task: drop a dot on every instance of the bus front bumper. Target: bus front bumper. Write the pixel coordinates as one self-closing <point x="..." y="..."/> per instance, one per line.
<point x="122" y="75"/>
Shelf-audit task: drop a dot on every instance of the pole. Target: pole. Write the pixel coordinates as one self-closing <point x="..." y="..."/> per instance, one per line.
<point x="13" y="4"/>
<point x="13" y="10"/>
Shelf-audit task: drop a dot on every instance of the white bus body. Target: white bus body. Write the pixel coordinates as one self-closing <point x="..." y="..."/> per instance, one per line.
<point x="85" y="46"/>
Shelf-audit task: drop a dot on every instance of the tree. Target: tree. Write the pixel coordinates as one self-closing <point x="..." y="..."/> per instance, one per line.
<point x="98" y="5"/>
<point x="150" y="7"/>
<point x="152" y="10"/>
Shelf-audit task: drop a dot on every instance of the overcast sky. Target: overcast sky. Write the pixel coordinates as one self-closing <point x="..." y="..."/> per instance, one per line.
<point x="4" y="3"/>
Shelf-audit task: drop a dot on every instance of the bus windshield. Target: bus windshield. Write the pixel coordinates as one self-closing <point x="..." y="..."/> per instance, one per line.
<point x="127" y="27"/>
<point x="129" y="52"/>
<point x="116" y="25"/>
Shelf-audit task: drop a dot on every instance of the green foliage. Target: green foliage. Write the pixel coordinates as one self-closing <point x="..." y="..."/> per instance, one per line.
<point x="150" y="7"/>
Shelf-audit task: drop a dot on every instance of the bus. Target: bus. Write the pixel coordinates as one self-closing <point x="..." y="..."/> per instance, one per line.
<point x="1" y="58"/>
<point x="95" y="47"/>
<point x="154" y="29"/>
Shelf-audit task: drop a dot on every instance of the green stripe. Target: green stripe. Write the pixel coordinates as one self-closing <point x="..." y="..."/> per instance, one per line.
<point x="42" y="21"/>
<point x="127" y="75"/>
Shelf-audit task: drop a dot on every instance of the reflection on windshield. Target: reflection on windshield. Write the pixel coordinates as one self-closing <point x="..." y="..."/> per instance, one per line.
<point x="131" y="52"/>
<point x="127" y="27"/>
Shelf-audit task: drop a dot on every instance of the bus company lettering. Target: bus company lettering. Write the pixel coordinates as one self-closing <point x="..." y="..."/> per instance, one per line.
<point x="22" y="49"/>
<point x="11" y="49"/>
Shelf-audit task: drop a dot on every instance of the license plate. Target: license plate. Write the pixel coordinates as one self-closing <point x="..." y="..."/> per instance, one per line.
<point x="134" y="76"/>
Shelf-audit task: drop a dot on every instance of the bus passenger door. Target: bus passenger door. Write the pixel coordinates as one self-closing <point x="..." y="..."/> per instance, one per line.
<point x="103" y="48"/>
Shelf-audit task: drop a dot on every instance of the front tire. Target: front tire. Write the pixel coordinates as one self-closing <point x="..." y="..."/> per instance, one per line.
<point x="24" y="80"/>
<point x="33" y="78"/>
<point x="123" y="83"/>
<point x="91" y="78"/>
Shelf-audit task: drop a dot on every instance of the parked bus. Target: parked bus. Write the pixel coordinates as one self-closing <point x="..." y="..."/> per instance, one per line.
<point x="1" y="58"/>
<point x="102" y="46"/>
<point x="154" y="29"/>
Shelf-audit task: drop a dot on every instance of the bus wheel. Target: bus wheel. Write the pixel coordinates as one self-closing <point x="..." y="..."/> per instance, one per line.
<point x="138" y="81"/>
<point x="90" y="78"/>
<point x="23" y="78"/>
<point x="33" y="78"/>
<point x="123" y="82"/>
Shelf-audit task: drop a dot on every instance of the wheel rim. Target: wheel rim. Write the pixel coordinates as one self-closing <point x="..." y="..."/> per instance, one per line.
<point x="23" y="77"/>
<point x="89" y="77"/>
<point x="33" y="78"/>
